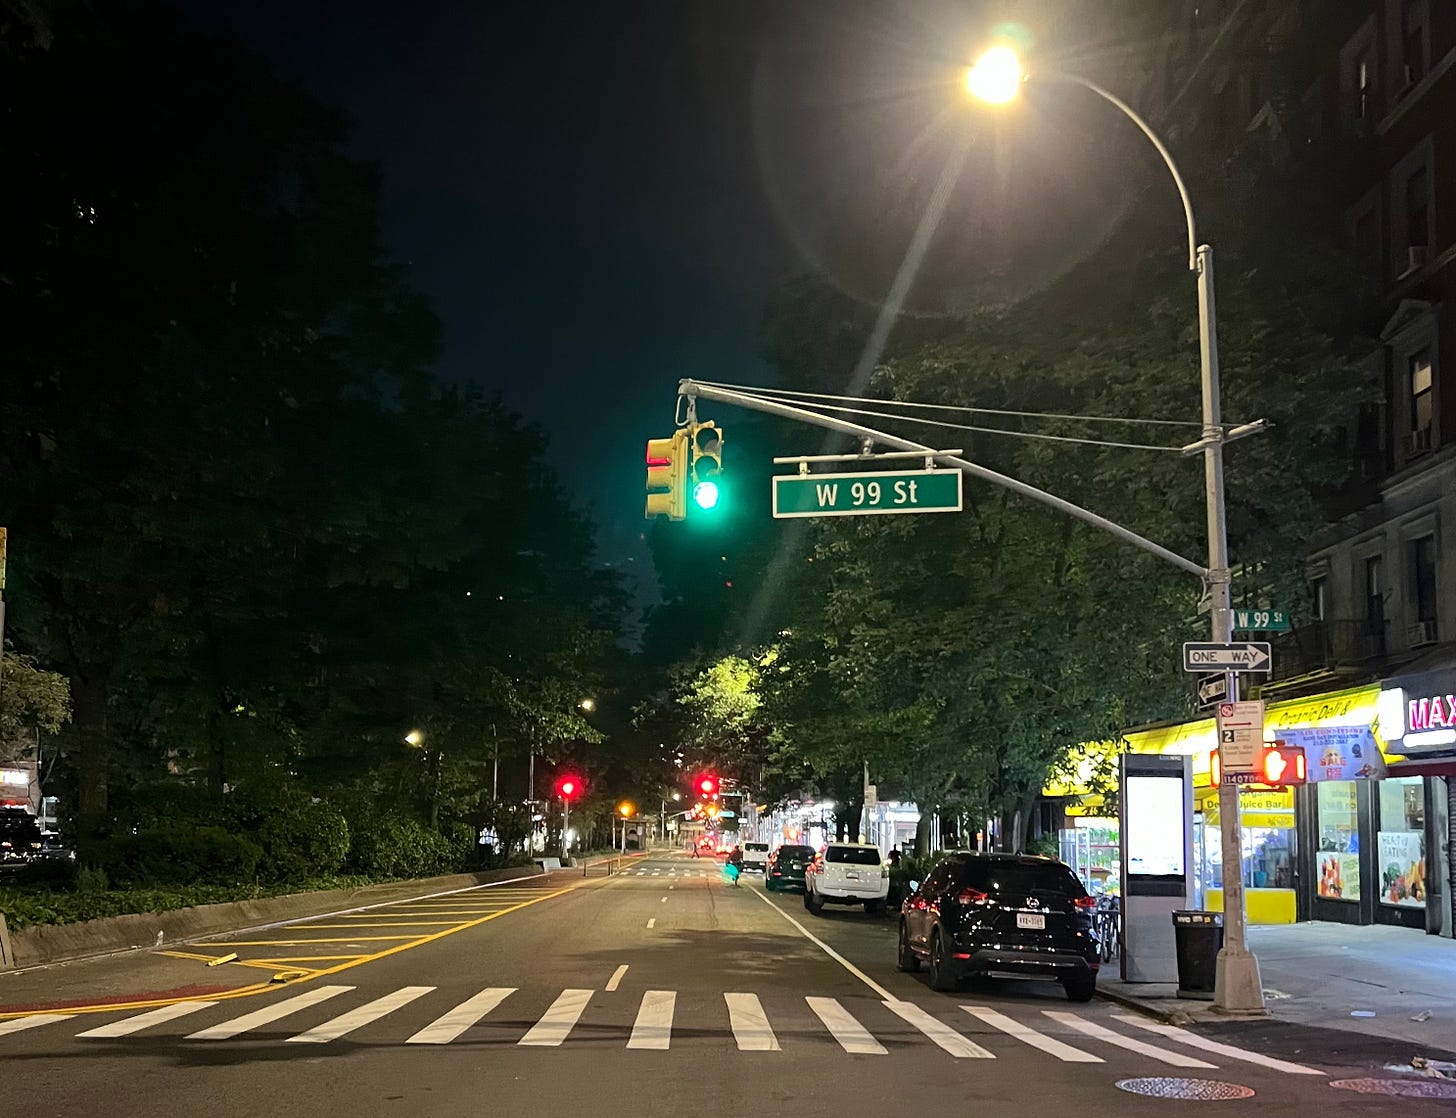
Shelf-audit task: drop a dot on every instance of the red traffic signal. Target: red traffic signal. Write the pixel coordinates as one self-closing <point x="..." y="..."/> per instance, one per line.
<point x="708" y="784"/>
<point x="1284" y="764"/>
<point x="569" y="787"/>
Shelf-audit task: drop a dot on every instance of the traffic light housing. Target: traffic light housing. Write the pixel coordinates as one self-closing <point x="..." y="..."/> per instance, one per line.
<point x="570" y="787"/>
<point x="708" y="784"/>
<point x="707" y="448"/>
<point x="667" y="476"/>
<point x="1283" y="765"/>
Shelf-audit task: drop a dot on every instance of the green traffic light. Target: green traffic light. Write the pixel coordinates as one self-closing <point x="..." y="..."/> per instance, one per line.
<point x="705" y="493"/>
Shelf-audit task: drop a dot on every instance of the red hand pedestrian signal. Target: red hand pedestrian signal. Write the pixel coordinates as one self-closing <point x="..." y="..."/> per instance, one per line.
<point x="1284" y="764"/>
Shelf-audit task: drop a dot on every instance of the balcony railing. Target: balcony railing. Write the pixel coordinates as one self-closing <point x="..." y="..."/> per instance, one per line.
<point x="1328" y="646"/>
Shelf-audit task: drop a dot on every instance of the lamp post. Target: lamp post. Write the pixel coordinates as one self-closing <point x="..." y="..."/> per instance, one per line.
<point x="624" y="809"/>
<point x="996" y="78"/>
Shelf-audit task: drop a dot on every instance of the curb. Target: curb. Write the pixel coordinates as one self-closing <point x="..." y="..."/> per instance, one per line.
<point x="46" y="944"/>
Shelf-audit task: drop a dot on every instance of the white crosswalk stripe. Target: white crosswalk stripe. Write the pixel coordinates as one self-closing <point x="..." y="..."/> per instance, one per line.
<point x="1049" y="1045"/>
<point x="1218" y="1049"/>
<point x="953" y="1042"/>
<point x="268" y="1014"/>
<point x="445" y="1029"/>
<point x="346" y="1023"/>
<point x="557" y="1022"/>
<point x="1107" y="1036"/>
<point x="750" y="1024"/>
<point x="128" y="1025"/>
<point x="653" y="1027"/>
<point x="852" y="1036"/>
<point x="18" y="1024"/>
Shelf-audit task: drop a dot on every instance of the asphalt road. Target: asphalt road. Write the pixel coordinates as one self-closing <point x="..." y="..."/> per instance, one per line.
<point x="658" y="991"/>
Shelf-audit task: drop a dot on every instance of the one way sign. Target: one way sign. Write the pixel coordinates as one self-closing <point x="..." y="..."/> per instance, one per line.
<point x="1246" y="656"/>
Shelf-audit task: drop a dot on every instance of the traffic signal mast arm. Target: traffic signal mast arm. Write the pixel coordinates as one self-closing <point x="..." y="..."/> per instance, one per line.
<point x="692" y="388"/>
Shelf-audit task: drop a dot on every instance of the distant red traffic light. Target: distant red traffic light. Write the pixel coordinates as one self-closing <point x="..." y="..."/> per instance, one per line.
<point x="569" y="787"/>
<point x="708" y="784"/>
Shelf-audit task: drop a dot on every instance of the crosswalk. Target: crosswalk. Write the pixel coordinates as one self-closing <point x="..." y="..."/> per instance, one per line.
<point x="693" y="873"/>
<point x="863" y="1029"/>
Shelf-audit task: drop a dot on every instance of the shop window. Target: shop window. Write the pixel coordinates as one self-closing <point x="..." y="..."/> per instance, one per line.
<point x="1400" y="867"/>
<point x="1339" y="840"/>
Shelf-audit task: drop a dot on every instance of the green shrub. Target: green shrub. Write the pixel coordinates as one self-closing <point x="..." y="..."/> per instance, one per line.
<point x="305" y="840"/>
<point x="180" y="856"/>
<point x="397" y="846"/>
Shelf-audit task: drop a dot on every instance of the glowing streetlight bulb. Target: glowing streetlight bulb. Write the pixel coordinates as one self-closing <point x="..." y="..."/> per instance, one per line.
<point x="414" y="737"/>
<point x="996" y="76"/>
<point x="588" y="705"/>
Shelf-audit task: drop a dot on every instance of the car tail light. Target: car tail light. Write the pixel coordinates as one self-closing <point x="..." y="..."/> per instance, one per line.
<point x="1084" y="903"/>
<point x="972" y="896"/>
<point x="884" y="870"/>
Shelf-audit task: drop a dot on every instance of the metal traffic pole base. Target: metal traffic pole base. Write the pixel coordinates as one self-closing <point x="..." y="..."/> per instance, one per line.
<point x="1239" y="988"/>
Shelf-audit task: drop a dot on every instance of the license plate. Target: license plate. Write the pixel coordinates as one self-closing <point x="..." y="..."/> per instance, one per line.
<point x="1034" y="920"/>
<point x="852" y="876"/>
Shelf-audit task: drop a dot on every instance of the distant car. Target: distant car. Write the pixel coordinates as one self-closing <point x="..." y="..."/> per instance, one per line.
<point x="847" y="873"/>
<point x="786" y="866"/>
<point x="20" y="839"/>
<point x="1001" y="913"/>
<point x="755" y="857"/>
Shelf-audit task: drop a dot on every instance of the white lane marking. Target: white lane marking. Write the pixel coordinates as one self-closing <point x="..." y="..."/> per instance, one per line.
<point x="653" y="1027"/>
<point x="19" y="1023"/>
<point x="656" y="872"/>
<point x="1185" y="1037"/>
<point x="664" y="900"/>
<point x="445" y="1029"/>
<point x="652" y="923"/>
<point x="672" y="886"/>
<point x="616" y="979"/>
<point x="1177" y="1059"/>
<point x="750" y="1024"/>
<point x="852" y="1036"/>
<point x="556" y="1023"/>
<point x="128" y="1025"/>
<point x="953" y="1042"/>
<point x="641" y="873"/>
<point x="268" y="1014"/>
<point x="346" y="1023"/>
<point x="1029" y="1035"/>
<point x="833" y="954"/>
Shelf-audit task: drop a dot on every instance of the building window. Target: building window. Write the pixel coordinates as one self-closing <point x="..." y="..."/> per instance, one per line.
<point x="1423" y="555"/>
<point x="1422" y="400"/>
<point x="1364" y="80"/>
<point x="1318" y="589"/>
<point x="1375" y="593"/>
<point x="1413" y="41"/>
<point x="1418" y="209"/>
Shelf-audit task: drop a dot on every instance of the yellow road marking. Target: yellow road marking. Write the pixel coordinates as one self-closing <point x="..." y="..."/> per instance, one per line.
<point x="273" y="961"/>
<point x="260" y="987"/>
<point x="296" y="942"/>
<point x="401" y="924"/>
<point x="190" y="955"/>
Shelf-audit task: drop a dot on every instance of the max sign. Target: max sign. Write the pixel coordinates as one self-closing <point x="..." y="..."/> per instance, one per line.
<point x="1436" y="713"/>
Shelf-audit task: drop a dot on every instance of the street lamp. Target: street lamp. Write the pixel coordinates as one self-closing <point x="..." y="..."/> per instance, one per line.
<point x="995" y="79"/>
<point x="624" y="809"/>
<point x="415" y="738"/>
<point x="588" y="705"/>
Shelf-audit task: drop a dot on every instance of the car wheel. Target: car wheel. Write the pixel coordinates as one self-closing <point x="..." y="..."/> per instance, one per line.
<point x="768" y="886"/>
<point x="874" y="908"/>
<point x="941" y="978"/>
<point x="813" y="903"/>
<point x="907" y="961"/>
<point x="1081" y="988"/>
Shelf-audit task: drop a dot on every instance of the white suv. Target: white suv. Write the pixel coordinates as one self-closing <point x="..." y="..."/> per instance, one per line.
<point x="755" y="857"/>
<point x="847" y="873"/>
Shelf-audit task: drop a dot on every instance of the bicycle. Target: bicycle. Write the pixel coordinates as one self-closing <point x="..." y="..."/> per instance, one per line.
<point x="1108" y="925"/>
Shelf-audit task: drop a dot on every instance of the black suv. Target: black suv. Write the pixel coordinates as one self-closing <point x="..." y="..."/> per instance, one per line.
<point x="1001" y="913"/>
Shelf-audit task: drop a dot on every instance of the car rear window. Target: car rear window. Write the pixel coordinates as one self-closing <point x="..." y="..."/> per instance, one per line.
<point x="853" y="855"/>
<point x="758" y="847"/>
<point x="1019" y="877"/>
<point x="796" y="852"/>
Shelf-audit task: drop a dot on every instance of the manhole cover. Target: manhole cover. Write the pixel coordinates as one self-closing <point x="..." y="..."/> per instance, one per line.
<point x="1405" y="1088"/>
<point x="1174" y="1087"/>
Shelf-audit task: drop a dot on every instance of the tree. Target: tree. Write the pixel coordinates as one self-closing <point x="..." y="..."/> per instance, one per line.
<point x="32" y="700"/>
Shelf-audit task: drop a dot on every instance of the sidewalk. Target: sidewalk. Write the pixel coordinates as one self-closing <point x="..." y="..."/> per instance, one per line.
<point x="1321" y="974"/>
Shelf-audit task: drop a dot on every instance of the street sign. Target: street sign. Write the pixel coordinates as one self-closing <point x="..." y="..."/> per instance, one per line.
<point x="871" y="494"/>
<point x="1240" y="736"/>
<point x="1242" y="656"/>
<point x="1243" y="778"/>
<point x="1261" y="620"/>
<point x="1212" y="689"/>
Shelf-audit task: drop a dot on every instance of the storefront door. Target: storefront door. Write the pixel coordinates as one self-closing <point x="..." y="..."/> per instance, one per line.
<point x="1400" y="847"/>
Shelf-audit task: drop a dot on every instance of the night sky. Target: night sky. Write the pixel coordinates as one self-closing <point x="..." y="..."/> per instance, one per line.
<point x="597" y="197"/>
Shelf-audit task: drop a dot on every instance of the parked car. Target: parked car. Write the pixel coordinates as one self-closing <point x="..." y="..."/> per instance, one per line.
<point x="786" y="866"/>
<point x="1001" y="913"/>
<point x="755" y="857"/>
<point x="847" y="873"/>
<point x="20" y="839"/>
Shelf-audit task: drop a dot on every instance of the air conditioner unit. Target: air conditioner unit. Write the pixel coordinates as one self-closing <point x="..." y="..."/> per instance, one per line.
<point x="1420" y="633"/>
<point x="1418" y="442"/>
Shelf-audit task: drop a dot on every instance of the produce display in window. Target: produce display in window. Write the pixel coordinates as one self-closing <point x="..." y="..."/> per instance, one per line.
<point x="1402" y="868"/>
<point x="1339" y="876"/>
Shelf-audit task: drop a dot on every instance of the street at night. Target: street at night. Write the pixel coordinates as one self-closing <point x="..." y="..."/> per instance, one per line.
<point x="785" y="557"/>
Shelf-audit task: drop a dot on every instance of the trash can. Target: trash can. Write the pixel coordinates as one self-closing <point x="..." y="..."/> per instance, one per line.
<point x="1198" y="938"/>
